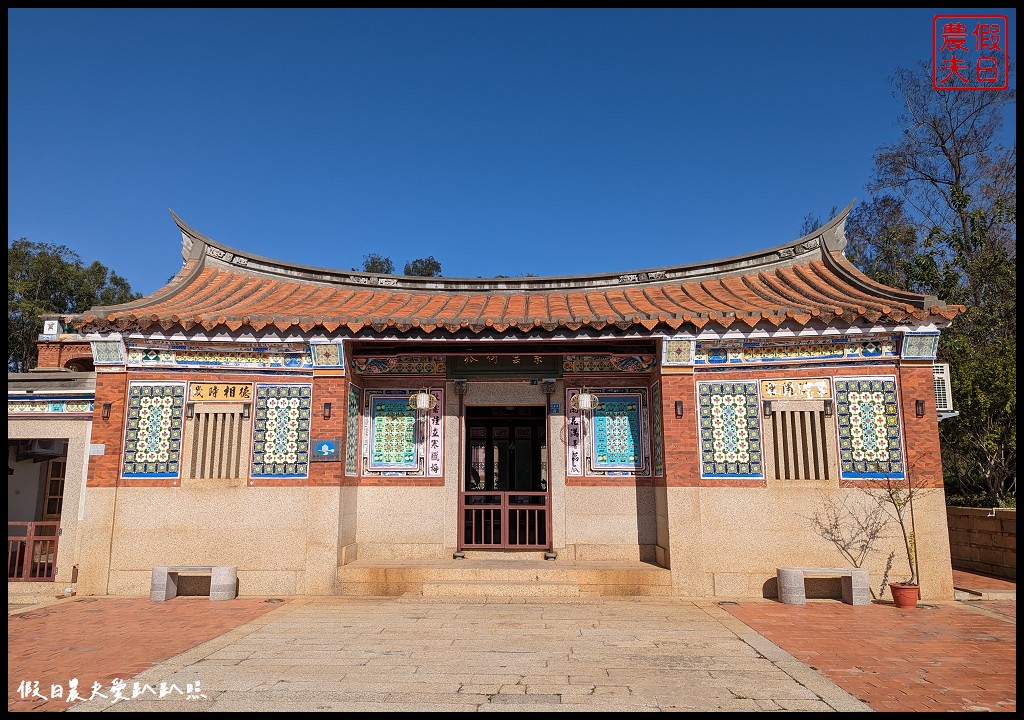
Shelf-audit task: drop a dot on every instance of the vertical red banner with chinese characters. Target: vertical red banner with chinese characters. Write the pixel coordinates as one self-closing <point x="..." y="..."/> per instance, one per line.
<point x="970" y="52"/>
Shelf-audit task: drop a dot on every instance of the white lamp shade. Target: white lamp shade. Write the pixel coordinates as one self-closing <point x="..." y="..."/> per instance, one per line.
<point x="585" y="401"/>
<point x="424" y="401"/>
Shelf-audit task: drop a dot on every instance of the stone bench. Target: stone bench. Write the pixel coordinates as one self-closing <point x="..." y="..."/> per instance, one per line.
<point x="854" y="582"/>
<point x="223" y="581"/>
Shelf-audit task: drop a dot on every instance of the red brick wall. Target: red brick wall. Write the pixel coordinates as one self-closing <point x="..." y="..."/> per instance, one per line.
<point x="54" y="355"/>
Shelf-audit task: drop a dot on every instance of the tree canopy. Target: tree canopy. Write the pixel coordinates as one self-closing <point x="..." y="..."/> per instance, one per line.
<point x="45" y="279"/>
<point x="421" y="267"/>
<point x="941" y="220"/>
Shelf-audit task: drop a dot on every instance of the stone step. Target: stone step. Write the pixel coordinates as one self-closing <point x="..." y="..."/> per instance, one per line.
<point x="505" y="578"/>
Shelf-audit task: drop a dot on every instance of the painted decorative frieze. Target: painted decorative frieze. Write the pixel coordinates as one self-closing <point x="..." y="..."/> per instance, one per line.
<point x="608" y="363"/>
<point x="759" y="352"/>
<point x="278" y="356"/>
<point x="730" y="430"/>
<point x="867" y="410"/>
<point x="920" y="346"/>
<point x="280" y="438"/>
<point x="611" y="439"/>
<point x="152" y="441"/>
<point x="49" y="405"/>
<point x="401" y="365"/>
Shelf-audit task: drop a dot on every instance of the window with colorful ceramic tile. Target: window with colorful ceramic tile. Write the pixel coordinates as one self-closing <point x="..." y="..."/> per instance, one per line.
<point x="611" y="439"/>
<point x="867" y="410"/>
<point x="152" y="441"/>
<point x="392" y="439"/>
<point x="280" y="439"/>
<point x="730" y="430"/>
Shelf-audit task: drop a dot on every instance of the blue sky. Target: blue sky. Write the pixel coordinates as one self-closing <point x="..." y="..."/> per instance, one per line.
<point x="502" y="142"/>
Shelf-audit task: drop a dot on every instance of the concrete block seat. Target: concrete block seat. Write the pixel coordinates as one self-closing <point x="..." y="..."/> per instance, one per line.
<point x="223" y="581"/>
<point x="854" y="583"/>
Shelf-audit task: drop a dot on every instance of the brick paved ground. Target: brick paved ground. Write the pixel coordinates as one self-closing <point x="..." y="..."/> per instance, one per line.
<point x="100" y="639"/>
<point x="946" y="657"/>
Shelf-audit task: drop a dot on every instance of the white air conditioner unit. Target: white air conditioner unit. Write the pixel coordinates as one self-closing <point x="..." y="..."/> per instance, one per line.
<point x="943" y="388"/>
<point x="46" y="448"/>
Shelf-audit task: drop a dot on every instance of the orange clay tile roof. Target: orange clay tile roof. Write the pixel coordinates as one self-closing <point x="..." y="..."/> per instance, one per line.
<point x="806" y="279"/>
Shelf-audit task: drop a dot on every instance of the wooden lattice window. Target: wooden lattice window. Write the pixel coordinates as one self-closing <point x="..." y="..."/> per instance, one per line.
<point x="217" y="441"/>
<point x="801" y="444"/>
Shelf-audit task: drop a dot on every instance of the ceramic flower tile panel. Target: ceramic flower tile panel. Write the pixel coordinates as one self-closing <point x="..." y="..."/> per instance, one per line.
<point x="730" y="430"/>
<point x="328" y="354"/>
<point x="656" y="431"/>
<point x="152" y="442"/>
<point x="867" y="411"/>
<point x="352" y="432"/>
<point x="108" y="352"/>
<point x="920" y="346"/>
<point x="280" y="441"/>
<point x="676" y="351"/>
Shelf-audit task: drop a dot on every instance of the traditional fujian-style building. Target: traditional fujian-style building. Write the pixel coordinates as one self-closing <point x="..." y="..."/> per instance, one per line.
<point x="338" y="432"/>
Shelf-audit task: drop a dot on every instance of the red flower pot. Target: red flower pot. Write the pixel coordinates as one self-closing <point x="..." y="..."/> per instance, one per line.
<point x="905" y="596"/>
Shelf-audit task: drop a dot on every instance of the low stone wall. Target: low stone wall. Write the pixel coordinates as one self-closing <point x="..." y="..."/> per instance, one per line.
<point x="983" y="540"/>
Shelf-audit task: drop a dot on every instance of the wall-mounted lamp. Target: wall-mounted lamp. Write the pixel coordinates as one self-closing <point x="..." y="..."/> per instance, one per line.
<point x="105" y="412"/>
<point x="919" y="408"/>
<point x="327" y="411"/>
<point x="190" y="410"/>
<point x="828" y="408"/>
<point x="766" y="408"/>
<point x="245" y="411"/>
<point x="679" y="408"/>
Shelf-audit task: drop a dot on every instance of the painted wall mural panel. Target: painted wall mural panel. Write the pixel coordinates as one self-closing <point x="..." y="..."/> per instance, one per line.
<point x="760" y="352"/>
<point x="152" y="441"/>
<point x="867" y="410"/>
<point x="730" y="430"/>
<point x="280" y="446"/>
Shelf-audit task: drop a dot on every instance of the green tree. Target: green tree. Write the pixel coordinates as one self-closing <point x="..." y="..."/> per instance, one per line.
<point x="374" y="263"/>
<point x="45" y="279"/>
<point x="423" y="267"/>
<point x="942" y="221"/>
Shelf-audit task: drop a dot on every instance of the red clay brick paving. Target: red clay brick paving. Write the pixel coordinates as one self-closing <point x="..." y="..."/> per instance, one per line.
<point x="100" y="639"/>
<point x="946" y="657"/>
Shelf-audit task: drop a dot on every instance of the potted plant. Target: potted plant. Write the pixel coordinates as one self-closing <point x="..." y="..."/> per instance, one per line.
<point x="897" y="500"/>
